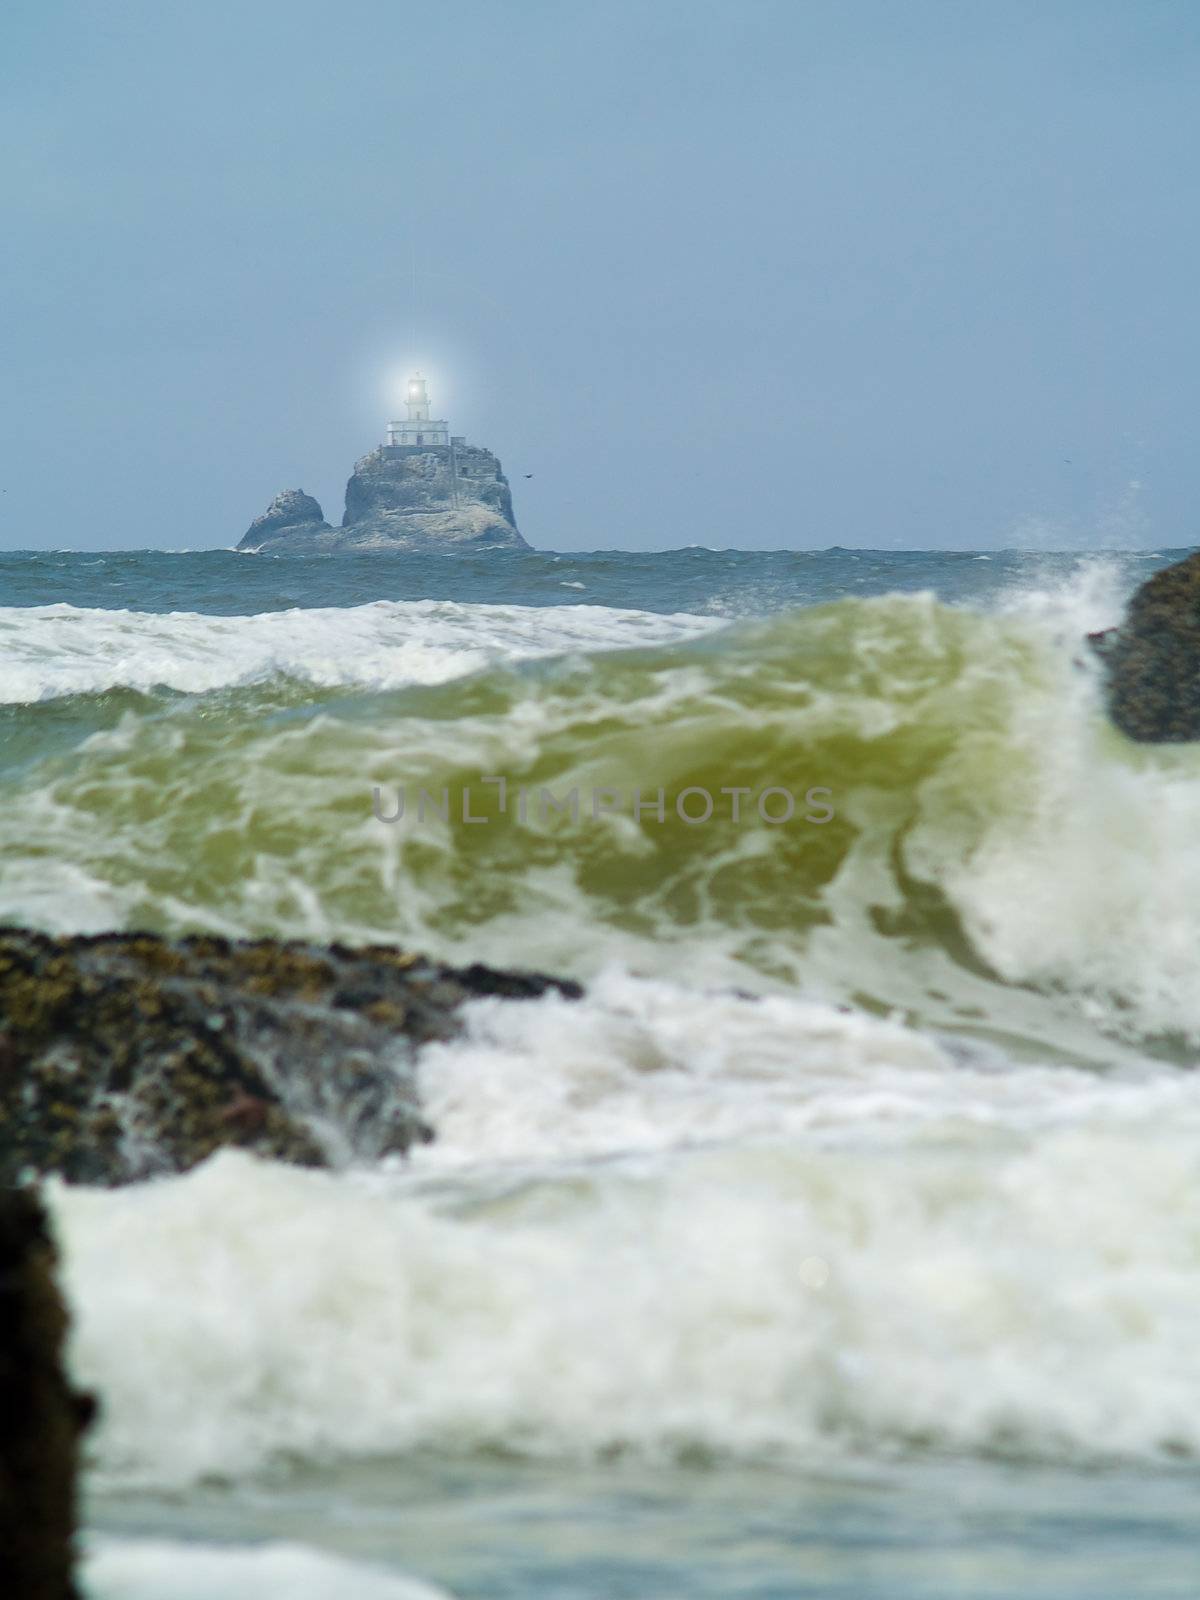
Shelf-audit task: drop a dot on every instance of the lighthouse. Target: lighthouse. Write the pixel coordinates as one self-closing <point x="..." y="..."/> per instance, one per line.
<point x="425" y="488"/>
<point x="417" y="430"/>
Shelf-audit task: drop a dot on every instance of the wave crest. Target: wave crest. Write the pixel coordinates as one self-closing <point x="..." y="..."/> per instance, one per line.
<point x="974" y="782"/>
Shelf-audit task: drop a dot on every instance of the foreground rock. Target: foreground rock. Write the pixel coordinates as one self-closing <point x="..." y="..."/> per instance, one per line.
<point x="127" y="1055"/>
<point x="41" y="1418"/>
<point x="1152" y="661"/>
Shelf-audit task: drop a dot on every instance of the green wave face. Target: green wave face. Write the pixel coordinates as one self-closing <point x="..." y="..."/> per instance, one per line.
<point x="973" y="786"/>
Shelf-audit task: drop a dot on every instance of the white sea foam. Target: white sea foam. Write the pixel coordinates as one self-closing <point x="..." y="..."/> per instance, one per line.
<point x="50" y="651"/>
<point x="643" y="1066"/>
<point x="1085" y="875"/>
<point x="160" y="1569"/>
<point x="657" y="1220"/>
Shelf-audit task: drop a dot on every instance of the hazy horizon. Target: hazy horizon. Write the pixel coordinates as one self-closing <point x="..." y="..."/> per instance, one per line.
<point x="790" y="276"/>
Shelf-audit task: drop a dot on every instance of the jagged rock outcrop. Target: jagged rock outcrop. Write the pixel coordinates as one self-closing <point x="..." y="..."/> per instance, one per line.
<point x="291" y="513"/>
<point x="127" y="1055"/>
<point x="41" y="1416"/>
<point x="400" y="498"/>
<point x="1152" y="660"/>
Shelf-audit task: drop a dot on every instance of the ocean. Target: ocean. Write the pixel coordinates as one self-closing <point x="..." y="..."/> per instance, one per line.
<point x="842" y="1241"/>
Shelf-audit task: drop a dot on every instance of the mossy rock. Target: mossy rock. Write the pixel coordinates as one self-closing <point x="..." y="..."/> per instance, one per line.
<point x="1152" y="661"/>
<point x="127" y="1055"/>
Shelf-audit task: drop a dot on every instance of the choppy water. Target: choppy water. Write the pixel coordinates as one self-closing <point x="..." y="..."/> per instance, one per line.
<point x="721" y="583"/>
<point x="844" y="1240"/>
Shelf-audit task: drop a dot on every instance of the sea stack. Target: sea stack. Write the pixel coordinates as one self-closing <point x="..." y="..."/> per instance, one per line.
<point x="293" y="511"/>
<point x="424" y="489"/>
<point x="1152" y="661"/>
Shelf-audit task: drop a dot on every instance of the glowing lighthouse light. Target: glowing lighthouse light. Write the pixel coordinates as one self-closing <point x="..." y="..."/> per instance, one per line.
<point x="417" y="430"/>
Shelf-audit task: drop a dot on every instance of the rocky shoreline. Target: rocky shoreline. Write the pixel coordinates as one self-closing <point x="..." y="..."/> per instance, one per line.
<point x="126" y="1056"/>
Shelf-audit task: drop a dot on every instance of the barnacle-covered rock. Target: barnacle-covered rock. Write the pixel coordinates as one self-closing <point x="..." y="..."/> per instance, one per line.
<point x="127" y="1055"/>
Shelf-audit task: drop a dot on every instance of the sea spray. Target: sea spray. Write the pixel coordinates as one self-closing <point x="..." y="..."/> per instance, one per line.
<point x="662" y="1224"/>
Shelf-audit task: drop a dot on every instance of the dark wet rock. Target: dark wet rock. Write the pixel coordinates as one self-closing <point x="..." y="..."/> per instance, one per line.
<point x="291" y="515"/>
<point x="1152" y="661"/>
<point x="127" y="1055"/>
<point x="41" y="1416"/>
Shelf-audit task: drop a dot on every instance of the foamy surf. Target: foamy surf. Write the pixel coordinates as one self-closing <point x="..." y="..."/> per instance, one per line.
<point x="873" y="1171"/>
<point x="973" y="779"/>
<point x="161" y="1569"/>
<point x="57" y="650"/>
<point x="658" y="1224"/>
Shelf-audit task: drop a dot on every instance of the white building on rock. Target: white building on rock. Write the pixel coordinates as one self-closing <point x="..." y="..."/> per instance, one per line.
<point x="417" y="429"/>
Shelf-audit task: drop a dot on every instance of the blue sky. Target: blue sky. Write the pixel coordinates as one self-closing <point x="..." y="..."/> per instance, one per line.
<point x="762" y="275"/>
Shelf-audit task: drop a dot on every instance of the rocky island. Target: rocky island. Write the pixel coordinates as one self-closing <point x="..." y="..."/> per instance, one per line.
<point x="424" y="489"/>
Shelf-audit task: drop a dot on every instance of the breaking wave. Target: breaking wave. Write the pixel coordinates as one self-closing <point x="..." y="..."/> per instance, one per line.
<point x="973" y="781"/>
<point x="905" y="1163"/>
<point x="58" y="650"/>
<point x="675" y="1226"/>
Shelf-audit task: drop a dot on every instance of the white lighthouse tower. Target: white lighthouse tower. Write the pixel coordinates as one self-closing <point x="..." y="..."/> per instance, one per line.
<point x="417" y="430"/>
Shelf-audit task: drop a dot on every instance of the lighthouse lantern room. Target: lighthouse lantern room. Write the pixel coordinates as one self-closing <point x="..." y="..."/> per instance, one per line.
<point x="417" y="430"/>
